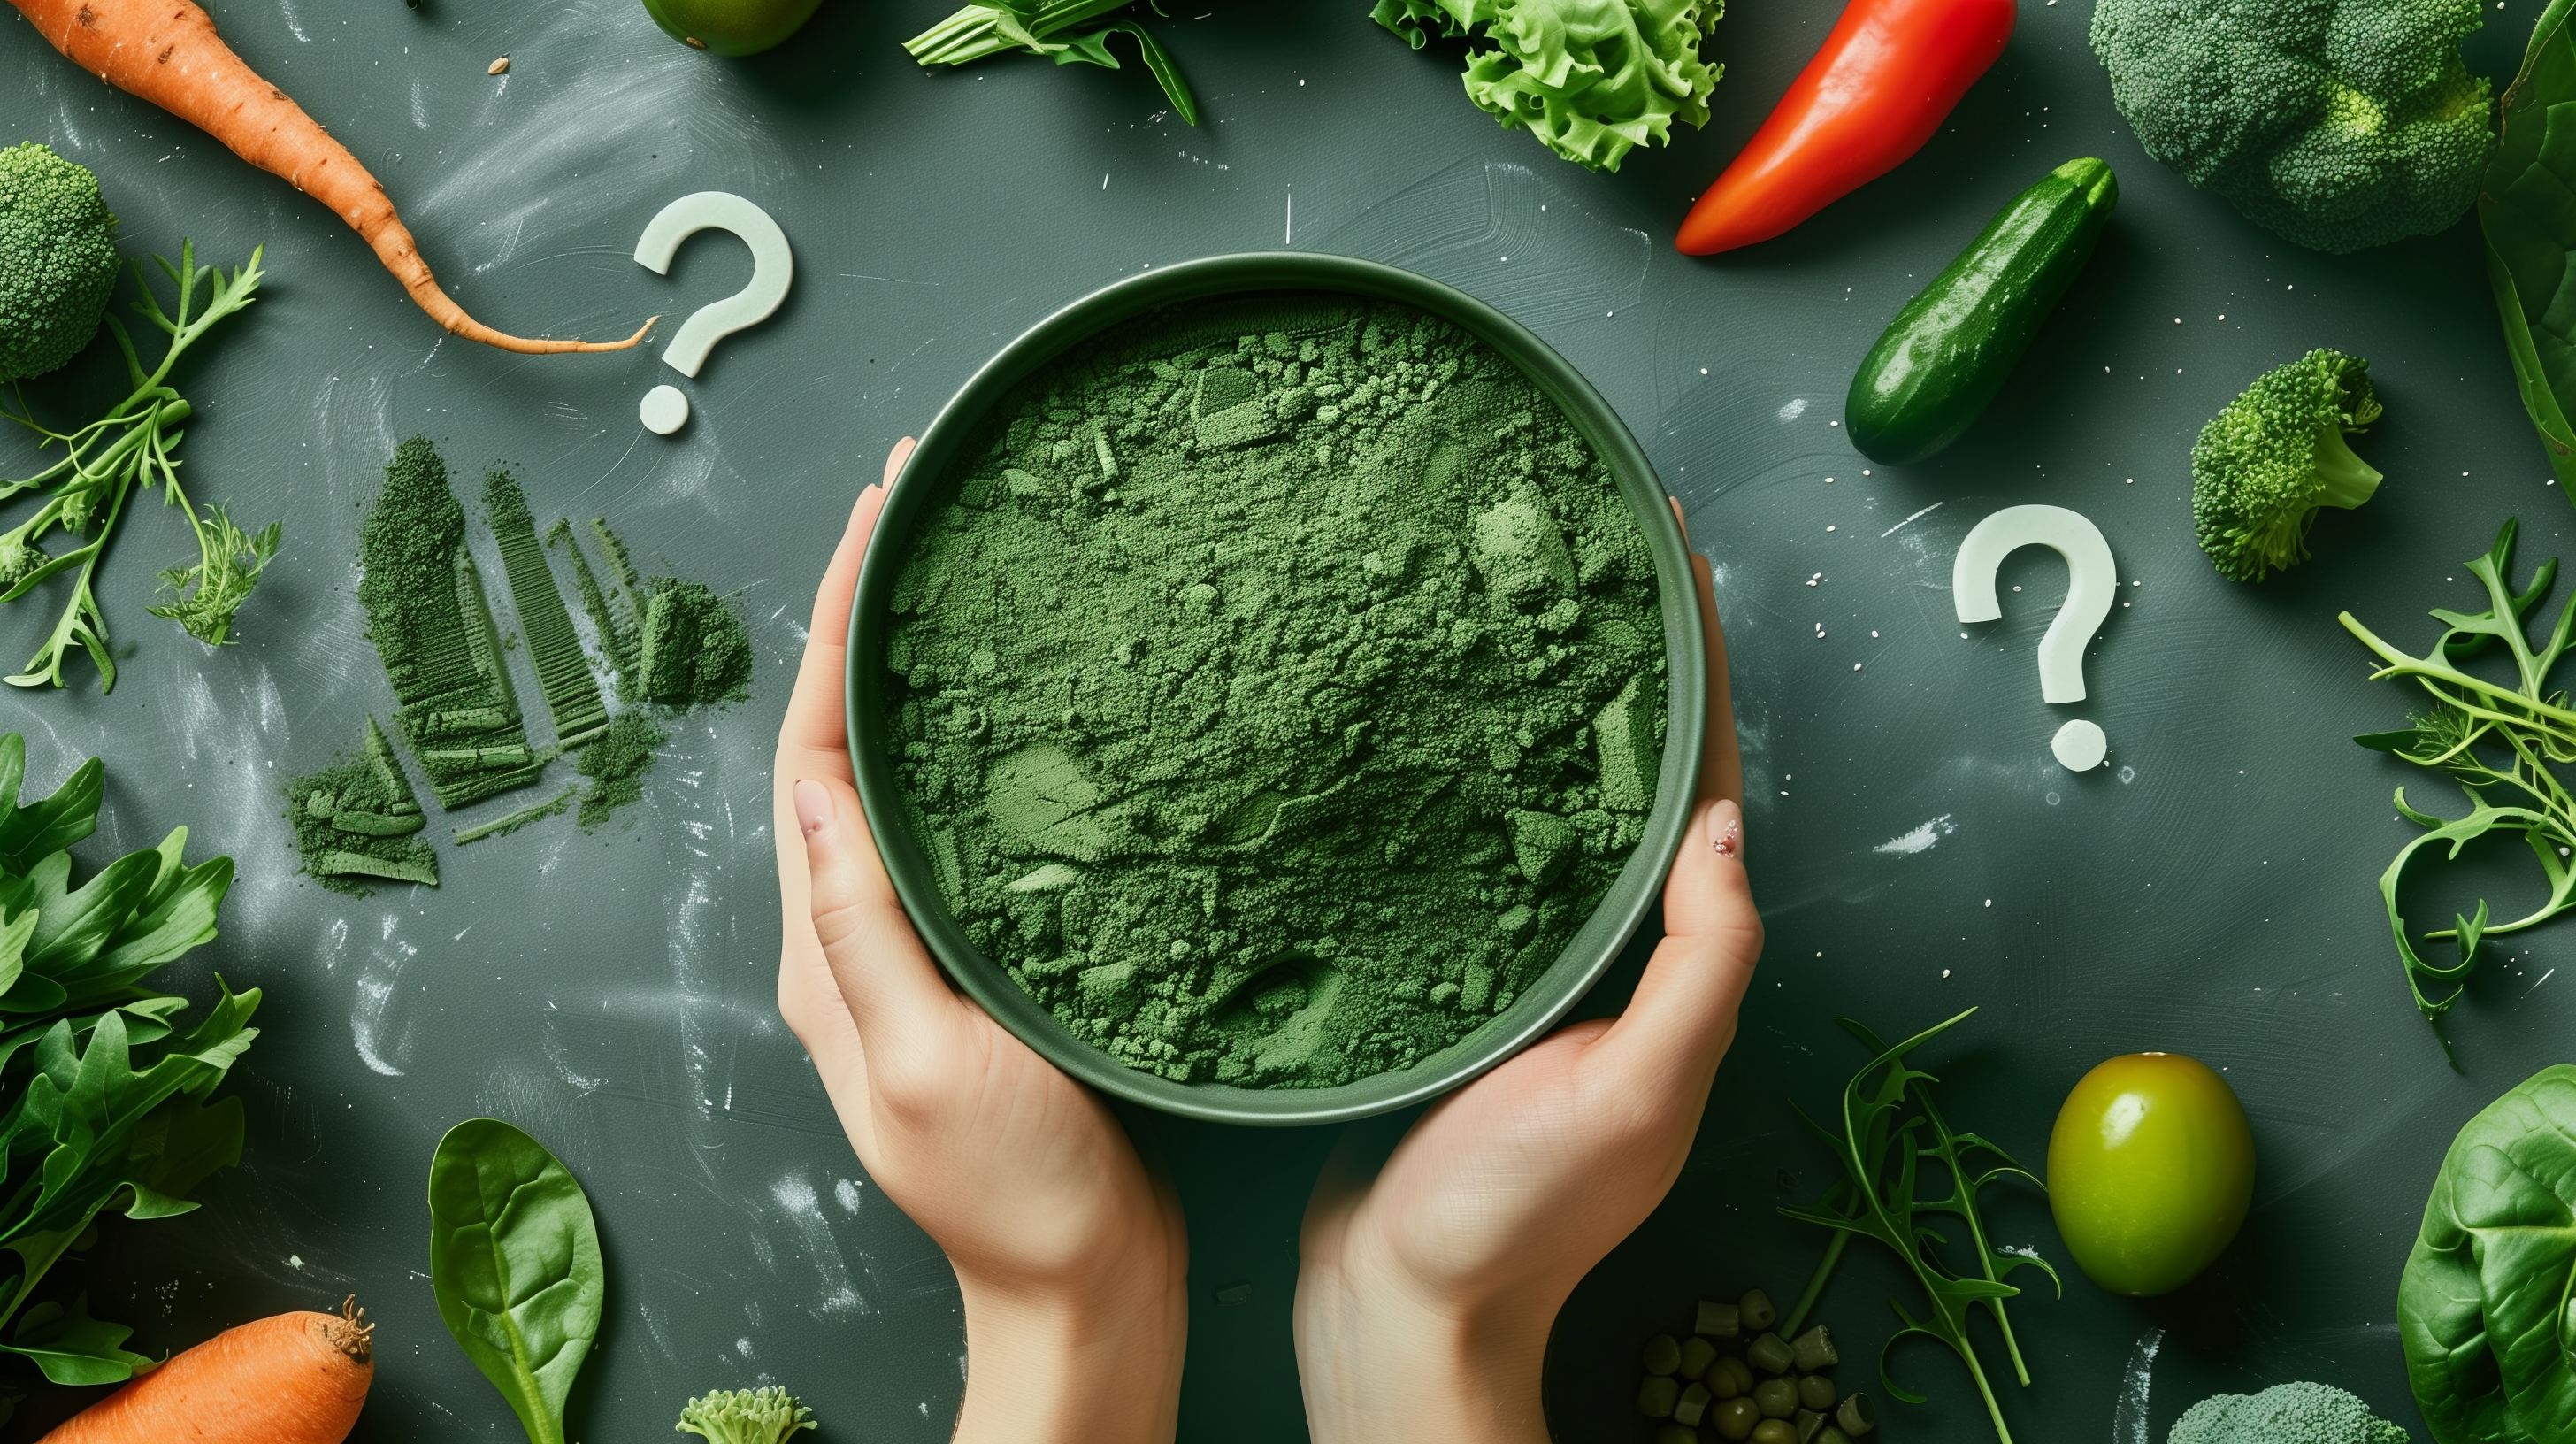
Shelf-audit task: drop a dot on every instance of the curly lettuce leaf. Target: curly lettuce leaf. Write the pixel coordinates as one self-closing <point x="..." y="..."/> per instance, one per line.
<point x="1592" y="79"/>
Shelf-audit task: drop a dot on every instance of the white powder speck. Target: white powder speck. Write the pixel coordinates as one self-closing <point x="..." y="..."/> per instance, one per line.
<point x="1921" y="839"/>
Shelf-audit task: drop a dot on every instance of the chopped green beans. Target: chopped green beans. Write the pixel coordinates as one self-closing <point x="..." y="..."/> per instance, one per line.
<point x="1830" y="1435"/>
<point x="1697" y="1355"/>
<point x="1692" y="1406"/>
<point x="1810" y="1423"/>
<point x="1735" y="1418"/>
<point x="1756" y="1311"/>
<point x="1775" y="1431"/>
<point x="1656" y="1395"/>
<point x="1776" y="1398"/>
<point x="1770" y="1354"/>
<point x="1662" y="1355"/>
<point x="1720" y="1321"/>
<point x="1816" y="1391"/>
<point x="1814" y="1349"/>
<point x="1857" y="1416"/>
<point x="1729" y="1377"/>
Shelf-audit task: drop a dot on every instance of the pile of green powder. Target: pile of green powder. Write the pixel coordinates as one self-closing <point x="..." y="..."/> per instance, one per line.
<point x="358" y="824"/>
<point x="1281" y="688"/>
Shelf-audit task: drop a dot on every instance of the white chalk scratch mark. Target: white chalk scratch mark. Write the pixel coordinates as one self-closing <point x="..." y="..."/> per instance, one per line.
<point x="1909" y="521"/>
<point x="1793" y="409"/>
<point x="2129" y="1409"/>
<point x="1921" y="839"/>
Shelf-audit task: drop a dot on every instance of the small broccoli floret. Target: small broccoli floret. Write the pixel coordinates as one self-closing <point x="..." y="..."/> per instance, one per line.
<point x="2285" y="1414"/>
<point x="745" y="1416"/>
<point x="57" y="259"/>
<point x="2340" y="124"/>
<point x="2265" y="464"/>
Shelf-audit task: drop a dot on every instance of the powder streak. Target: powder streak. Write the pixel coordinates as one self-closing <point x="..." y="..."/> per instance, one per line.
<point x="1920" y="839"/>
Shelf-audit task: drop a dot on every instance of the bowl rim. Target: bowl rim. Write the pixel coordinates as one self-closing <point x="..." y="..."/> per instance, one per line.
<point x="1594" y="945"/>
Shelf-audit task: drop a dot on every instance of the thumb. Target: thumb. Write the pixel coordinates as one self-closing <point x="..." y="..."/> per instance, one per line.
<point x="1682" y="1015"/>
<point x="884" y="974"/>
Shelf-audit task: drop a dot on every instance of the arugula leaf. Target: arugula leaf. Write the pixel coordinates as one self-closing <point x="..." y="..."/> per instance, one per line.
<point x="2498" y="741"/>
<point x="1890" y="1131"/>
<point x="514" y="1261"/>
<point x="105" y="1098"/>
<point x="1038" y="26"/>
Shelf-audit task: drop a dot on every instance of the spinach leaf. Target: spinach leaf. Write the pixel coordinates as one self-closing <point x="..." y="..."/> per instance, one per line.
<point x="514" y="1261"/>
<point x="2478" y="1308"/>
<point x="2530" y="232"/>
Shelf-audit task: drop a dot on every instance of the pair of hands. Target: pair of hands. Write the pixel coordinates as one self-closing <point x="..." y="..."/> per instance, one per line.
<point x="1428" y="1279"/>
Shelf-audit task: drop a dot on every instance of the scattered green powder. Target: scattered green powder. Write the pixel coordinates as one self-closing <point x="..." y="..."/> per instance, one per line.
<point x="616" y="764"/>
<point x="563" y="671"/>
<point x="1282" y="688"/>
<point x="504" y="826"/>
<point x="432" y="627"/>
<point x="357" y="822"/>
<point x="696" y="651"/>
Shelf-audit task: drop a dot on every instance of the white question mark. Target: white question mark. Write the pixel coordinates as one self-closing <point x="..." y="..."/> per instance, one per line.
<point x="2091" y="582"/>
<point x="773" y="270"/>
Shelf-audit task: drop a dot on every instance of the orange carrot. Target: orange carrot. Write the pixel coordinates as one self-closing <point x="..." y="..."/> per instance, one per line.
<point x="294" y="1379"/>
<point x="167" y="52"/>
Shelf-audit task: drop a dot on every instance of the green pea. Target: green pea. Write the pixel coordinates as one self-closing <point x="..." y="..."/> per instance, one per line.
<point x="1816" y="1391"/>
<point x="1697" y="1355"/>
<point x="1676" y="1434"/>
<point x="1656" y="1395"/>
<point x="1830" y="1435"/>
<point x="1756" y="1311"/>
<point x="1775" y="1431"/>
<point x="1662" y="1355"/>
<point x="1735" y="1417"/>
<point x="1776" y="1398"/>
<point x="1729" y="1377"/>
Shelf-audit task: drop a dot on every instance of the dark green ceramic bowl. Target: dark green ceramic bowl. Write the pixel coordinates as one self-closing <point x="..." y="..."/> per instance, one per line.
<point x="1593" y="945"/>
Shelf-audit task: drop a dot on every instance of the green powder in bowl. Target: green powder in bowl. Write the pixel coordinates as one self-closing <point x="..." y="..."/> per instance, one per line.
<point x="1275" y="686"/>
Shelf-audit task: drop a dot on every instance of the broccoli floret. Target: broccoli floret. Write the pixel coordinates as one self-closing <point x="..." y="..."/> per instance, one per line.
<point x="745" y="1416"/>
<point x="57" y="259"/>
<point x="2285" y="1414"/>
<point x="2340" y="124"/>
<point x="2265" y="464"/>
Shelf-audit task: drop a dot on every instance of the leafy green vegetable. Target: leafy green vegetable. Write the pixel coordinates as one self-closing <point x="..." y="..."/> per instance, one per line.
<point x="1892" y="1136"/>
<point x="2530" y="233"/>
<point x="1592" y="79"/>
<point x="514" y="1261"/>
<point x="116" y="1112"/>
<point x="1038" y="27"/>
<point x="2339" y="126"/>
<point x="746" y="1416"/>
<point x="85" y="493"/>
<point x="2497" y="741"/>
<point x="2480" y="1305"/>
<point x="2297" y="1413"/>
<point x="57" y="259"/>
<point x="2273" y="457"/>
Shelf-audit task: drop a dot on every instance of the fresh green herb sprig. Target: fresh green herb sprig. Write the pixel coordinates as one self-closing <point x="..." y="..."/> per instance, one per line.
<point x="2497" y="740"/>
<point x="1039" y="27"/>
<point x="1892" y="1136"/>
<point x="86" y="491"/>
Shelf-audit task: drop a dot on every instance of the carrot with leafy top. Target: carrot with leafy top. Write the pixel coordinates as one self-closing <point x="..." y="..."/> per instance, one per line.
<point x="297" y="1378"/>
<point x="167" y="52"/>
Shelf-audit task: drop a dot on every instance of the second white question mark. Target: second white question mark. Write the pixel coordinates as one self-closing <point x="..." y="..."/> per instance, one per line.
<point x="2091" y="582"/>
<point x="773" y="269"/>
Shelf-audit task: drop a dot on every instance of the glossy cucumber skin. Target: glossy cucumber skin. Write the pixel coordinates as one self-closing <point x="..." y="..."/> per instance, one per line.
<point x="1949" y="351"/>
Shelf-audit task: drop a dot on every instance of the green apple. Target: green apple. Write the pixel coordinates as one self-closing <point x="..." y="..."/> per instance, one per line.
<point x="730" y="27"/>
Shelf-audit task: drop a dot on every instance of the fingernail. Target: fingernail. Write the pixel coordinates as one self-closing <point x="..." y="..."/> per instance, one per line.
<point x="1726" y="821"/>
<point x="813" y="807"/>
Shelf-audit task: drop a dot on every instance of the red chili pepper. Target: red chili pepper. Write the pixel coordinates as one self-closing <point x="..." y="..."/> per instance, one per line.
<point x="1884" y="81"/>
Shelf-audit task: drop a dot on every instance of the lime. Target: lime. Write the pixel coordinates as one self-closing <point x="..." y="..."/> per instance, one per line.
<point x="730" y="27"/>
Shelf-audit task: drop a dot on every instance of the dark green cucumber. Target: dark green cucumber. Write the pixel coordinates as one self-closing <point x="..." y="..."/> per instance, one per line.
<point x="1947" y="353"/>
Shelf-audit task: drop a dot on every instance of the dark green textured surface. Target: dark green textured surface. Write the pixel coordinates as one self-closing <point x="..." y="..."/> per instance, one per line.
<point x="614" y="994"/>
